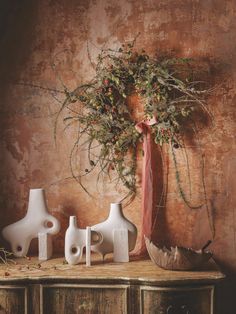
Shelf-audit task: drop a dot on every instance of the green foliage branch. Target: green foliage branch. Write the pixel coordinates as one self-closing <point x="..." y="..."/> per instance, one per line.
<point x="106" y="120"/>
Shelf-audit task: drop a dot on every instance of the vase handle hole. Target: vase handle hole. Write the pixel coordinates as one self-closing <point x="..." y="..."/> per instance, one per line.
<point x="96" y="237"/>
<point x="48" y="224"/>
<point x="74" y="250"/>
<point x="19" y="248"/>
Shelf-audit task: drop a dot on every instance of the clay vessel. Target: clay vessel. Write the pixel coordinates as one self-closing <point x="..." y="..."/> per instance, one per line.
<point x="177" y="258"/>
<point x="115" y="220"/>
<point x="37" y="220"/>
<point x="75" y="241"/>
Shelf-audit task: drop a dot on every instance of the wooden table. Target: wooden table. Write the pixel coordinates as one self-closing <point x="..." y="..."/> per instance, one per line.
<point x="30" y="286"/>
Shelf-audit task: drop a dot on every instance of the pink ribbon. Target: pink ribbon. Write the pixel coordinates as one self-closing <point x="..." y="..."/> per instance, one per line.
<point x="149" y="182"/>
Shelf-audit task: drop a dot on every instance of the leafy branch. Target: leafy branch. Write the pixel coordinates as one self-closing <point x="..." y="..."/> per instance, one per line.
<point x="106" y="118"/>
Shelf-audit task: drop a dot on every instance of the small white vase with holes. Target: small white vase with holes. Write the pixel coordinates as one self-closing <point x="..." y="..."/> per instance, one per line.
<point x="36" y="221"/>
<point x="75" y="241"/>
<point x="115" y="221"/>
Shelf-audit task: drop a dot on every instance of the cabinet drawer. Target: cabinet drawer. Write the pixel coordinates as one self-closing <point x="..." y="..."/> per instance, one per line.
<point x="79" y="299"/>
<point x="13" y="300"/>
<point x="179" y="300"/>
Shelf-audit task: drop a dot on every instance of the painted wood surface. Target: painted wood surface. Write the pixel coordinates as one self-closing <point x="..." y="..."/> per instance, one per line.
<point x="137" y="271"/>
<point x="198" y="300"/>
<point x="13" y="300"/>
<point x="111" y="288"/>
<point x="90" y="299"/>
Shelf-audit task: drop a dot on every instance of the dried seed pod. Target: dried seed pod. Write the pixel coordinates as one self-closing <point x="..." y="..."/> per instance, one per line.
<point x="177" y="258"/>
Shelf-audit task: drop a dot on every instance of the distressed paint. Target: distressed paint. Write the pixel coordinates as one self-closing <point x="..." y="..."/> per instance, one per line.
<point x="33" y="33"/>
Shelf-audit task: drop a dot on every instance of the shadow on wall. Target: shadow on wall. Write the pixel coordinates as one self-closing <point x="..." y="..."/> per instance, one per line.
<point x="18" y="21"/>
<point x="225" y="292"/>
<point x="17" y="30"/>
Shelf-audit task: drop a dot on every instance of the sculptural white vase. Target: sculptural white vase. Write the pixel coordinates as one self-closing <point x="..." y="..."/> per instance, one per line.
<point x="37" y="220"/>
<point x="115" y="220"/>
<point x="75" y="241"/>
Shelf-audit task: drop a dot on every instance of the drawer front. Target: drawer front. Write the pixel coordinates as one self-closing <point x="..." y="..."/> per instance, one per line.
<point x="177" y="300"/>
<point x="13" y="300"/>
<point x="89" y="299"/>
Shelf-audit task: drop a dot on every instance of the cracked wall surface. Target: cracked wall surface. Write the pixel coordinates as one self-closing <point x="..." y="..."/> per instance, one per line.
<point x="46" y="43"/>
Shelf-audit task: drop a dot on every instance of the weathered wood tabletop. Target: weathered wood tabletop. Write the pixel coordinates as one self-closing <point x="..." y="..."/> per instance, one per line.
<point x="140" y="271"/>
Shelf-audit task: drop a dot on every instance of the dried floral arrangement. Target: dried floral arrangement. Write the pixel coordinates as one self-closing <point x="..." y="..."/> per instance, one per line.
<point x="105" y="120"/>
<point x="5" y="256"/>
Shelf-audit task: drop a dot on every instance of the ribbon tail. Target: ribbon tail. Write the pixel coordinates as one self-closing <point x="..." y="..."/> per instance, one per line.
<point x="149" y="191"/>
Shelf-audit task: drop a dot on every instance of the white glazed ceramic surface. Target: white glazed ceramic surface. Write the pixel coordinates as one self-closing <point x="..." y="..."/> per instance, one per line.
<point x="75" y="241"/>
<point x="115" y="220"/>
<point x="45" y="246"/>
<point x="120" y="246"/>
<point x="37" y="220"/>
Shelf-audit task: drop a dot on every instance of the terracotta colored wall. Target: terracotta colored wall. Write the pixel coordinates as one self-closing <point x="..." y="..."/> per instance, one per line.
<point x="33" y="33"/>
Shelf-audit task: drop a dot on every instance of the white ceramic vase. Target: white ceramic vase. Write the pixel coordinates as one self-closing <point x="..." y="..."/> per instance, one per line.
<point x="115" y="220"/>
<point x="75" y="241"/>
<point x="37" y="220"/>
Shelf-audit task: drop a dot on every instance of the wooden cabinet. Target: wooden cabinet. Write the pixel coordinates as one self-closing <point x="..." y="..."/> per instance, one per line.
<point x="194" y="300"/>
<point x="94" y="299"/>
<point x="105" y="288"/>
<point x="13" y="299"/>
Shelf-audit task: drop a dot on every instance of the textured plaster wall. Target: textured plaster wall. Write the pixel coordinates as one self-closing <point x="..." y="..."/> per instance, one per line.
<point x="34" y="34"/>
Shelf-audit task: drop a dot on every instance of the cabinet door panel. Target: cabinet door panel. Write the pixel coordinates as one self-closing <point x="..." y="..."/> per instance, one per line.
<point x="13" y="300"/>
<point x="177" y="300"/>
<point x="80" y="299"/>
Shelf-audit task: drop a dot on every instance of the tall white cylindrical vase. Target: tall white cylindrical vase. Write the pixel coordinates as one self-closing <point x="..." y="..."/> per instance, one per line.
<point x="73" y="247"/>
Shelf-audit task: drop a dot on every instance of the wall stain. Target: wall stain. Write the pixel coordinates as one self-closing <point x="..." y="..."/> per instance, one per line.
<point x="33" y="34"/>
